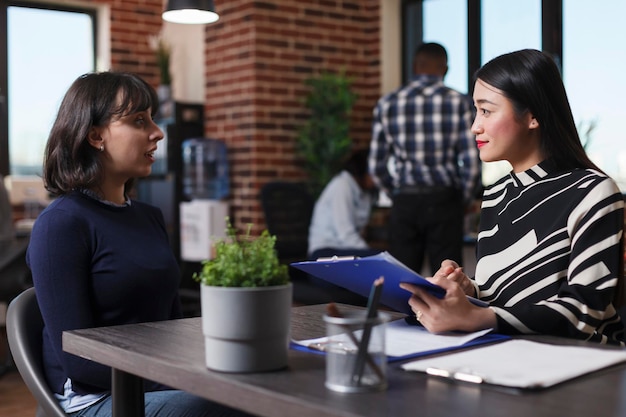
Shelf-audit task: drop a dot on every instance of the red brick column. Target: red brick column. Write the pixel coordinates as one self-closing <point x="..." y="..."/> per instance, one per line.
<point x="132" y="22"/>
<point x="256" y="60"/>
<point x="257" y="57"/>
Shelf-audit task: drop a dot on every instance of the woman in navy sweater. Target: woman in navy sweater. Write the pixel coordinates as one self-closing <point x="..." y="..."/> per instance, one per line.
<point x="97" y="257"/>
<point x="549" y="250"/>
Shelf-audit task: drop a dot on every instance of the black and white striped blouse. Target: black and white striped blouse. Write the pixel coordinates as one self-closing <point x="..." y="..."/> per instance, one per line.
<point x="548" y="253"/>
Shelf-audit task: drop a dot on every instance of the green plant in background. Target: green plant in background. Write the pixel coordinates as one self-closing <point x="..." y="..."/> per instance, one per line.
<point x="163" y="52"/>
<point x="324" y="142"/>
<point x="243" y="261"/>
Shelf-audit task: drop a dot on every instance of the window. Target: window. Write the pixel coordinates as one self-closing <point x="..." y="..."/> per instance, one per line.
<point x="508" y="26"/>
<point x="40" y="67"/>
<point x="475" y="31"/>
<point x="452" y="35"/>
<point x="593" y="72"/>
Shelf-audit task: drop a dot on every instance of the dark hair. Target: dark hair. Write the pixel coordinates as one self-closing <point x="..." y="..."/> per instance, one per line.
<point x="93" y="99"/>
<point x="433" y="50"/>
<point x="356" y="164"/>
<point x="532" y="81"/>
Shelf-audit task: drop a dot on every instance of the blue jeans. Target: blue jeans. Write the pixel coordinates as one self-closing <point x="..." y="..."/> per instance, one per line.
<point x="170" y="403"/>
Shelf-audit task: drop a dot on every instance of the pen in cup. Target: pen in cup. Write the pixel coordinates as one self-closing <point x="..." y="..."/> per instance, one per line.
<point x="333" y="311"/>
<point x="372" y="312"/>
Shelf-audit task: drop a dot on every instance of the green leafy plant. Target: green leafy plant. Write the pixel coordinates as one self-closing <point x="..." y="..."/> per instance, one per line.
<point x="324" y="140"/>
<point x="162" y="52"/>
<point x="243" y="261"/>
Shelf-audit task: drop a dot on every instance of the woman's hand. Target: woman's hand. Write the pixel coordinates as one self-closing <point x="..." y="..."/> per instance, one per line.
<point x="453" y="312"/>
<point x="452" y="271"/>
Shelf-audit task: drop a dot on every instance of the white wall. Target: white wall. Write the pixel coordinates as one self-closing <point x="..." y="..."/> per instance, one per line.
<point x="187" y="61"/>
<point x="390" y="45"/>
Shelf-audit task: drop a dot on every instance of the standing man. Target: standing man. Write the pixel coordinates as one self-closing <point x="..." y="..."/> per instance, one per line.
<point x="424" y="156"/>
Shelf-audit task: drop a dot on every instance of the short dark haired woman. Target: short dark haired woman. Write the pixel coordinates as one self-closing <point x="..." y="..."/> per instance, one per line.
<point x="97" y="257"/>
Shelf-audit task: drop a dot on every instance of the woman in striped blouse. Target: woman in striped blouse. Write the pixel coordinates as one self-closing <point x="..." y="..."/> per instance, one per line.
<point x="549" y="252"/>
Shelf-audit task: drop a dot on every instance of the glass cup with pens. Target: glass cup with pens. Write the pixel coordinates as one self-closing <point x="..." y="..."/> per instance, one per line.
<point x="355" y="347"/>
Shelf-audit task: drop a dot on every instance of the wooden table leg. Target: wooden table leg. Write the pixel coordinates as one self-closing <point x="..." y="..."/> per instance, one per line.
<point x="127" y="394"/>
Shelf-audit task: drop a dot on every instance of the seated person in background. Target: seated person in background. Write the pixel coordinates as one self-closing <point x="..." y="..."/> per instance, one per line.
<point x="97" y="257"/>
<point x="549" y="249"/>
<point x="342" y="211"/>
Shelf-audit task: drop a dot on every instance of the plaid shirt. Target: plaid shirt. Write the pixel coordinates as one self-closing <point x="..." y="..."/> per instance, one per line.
<point x="421" y="137"/>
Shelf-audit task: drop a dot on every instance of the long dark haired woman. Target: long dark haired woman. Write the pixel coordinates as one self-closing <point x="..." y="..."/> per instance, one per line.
<point x="549" y="250"/>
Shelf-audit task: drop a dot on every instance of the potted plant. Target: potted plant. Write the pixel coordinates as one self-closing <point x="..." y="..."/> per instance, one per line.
<point x="246" y="301"/>
<point x="324" y="140"/>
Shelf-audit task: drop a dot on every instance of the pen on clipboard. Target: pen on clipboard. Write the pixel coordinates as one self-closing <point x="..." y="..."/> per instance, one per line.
<point x="412" y="320"/>
<point x="372" y="312"/>
<point x="441" y="294"/>
<point x="477" y="302"/>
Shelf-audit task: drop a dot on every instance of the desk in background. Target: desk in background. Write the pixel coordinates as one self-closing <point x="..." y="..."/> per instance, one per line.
<point x="172" y="353"/>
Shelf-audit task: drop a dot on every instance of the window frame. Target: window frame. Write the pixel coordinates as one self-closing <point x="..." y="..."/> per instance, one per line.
<point x="94" y="12"/>
<point x="412" y="33"/>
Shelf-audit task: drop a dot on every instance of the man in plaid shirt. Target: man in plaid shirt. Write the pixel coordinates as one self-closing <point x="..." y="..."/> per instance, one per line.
<point x="424" y="156"/>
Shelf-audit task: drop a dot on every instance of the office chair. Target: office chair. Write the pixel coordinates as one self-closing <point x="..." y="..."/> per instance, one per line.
<point x="24" y="330"/>
<point x="288" y="208"/>
<point x="14" y="278"/>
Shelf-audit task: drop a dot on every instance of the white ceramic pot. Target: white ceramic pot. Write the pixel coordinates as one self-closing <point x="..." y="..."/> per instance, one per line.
<point x="246" y="329"/>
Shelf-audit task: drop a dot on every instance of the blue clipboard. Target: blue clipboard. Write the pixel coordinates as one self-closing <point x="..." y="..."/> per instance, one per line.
<point x="483" y="340"/>
<point x="358" y="274"/>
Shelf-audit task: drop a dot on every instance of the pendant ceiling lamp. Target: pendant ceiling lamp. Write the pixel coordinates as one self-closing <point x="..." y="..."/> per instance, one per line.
<point x="190" y="11"/>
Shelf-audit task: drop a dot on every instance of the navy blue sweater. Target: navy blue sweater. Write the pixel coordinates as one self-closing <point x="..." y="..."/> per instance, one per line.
<point x="93" y="265"/>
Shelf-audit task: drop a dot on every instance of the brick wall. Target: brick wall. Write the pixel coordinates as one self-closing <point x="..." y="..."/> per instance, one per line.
<point x="132" y="22"/>
<point x="256" y="60"/>
<point x="257" y="57"/>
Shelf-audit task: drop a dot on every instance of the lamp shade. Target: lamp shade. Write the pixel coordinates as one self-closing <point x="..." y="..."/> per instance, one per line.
<point x="190" y="11"/>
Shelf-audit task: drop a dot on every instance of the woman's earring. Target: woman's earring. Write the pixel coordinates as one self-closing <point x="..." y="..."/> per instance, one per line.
<point x="102" y="147"/>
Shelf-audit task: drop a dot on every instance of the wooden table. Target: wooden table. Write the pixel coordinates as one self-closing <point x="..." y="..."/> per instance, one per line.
<point x="172" y="353"/>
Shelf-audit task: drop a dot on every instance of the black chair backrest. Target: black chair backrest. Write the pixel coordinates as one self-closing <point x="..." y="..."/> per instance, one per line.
<point x="24" y="331"/>
<point x="288" y="207"/>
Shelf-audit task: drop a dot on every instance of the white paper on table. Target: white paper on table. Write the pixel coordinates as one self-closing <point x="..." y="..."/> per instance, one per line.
<point x="521" y="363"/>
<point x="403" y="339"/>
